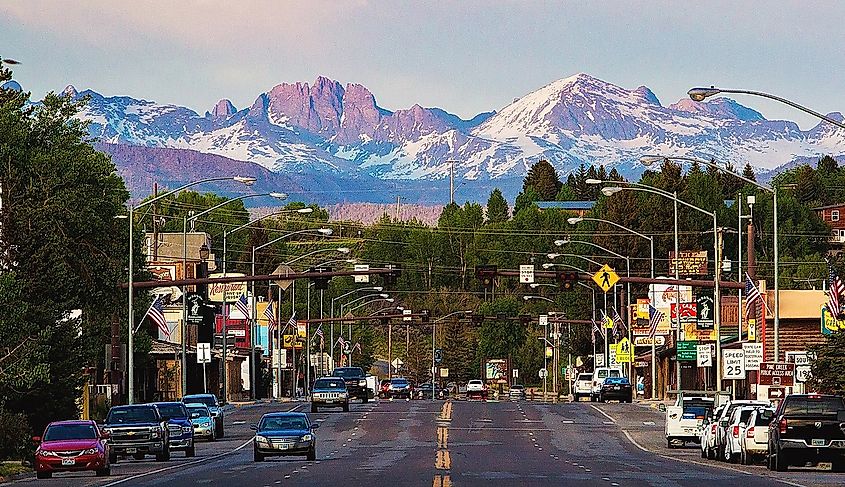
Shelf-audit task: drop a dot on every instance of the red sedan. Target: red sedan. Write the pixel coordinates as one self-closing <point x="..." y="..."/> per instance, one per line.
<point x="72" y="446"/>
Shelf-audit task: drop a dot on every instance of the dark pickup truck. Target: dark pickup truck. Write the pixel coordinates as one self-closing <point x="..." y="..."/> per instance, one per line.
<point x="808" y="430"/>
<point x="136" y="431"/>
<point x="356" y="382"/>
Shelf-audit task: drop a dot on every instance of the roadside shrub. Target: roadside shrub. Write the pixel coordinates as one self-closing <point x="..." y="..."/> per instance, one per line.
<point x="15" y="436"/>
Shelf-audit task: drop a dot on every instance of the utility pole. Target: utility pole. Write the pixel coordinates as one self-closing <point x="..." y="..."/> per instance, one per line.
<point x="155" y="224"/>
<point x="451" y="182"/>
<point x="398" y="208"/>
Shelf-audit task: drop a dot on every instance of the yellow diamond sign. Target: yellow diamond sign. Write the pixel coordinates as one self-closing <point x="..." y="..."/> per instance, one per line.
<point x="605" y="278"/>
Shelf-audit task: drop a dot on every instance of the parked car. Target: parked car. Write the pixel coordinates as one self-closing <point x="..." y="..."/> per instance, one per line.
<point x="517" y="392"/>
<point x="599" y="375"/>
<point x="281" y="434"/>
<point x="424" y="391"/>
<point x="685" y="418"/>
<point x="384" y="387"/>
<point x="356" y="382"/>
<point x="736" y="424"/>
<point x="202" y="421"/>
<point x="616" y="389"/>
<point x="179" y="425"/>
<point x="806" y="430"/>
<point x="137" y="431"/>
<point x="209" y="400"/>
<point x="583" y="385"/>
<point x="755" y="435"/>
<point x="724" y="420"/>
<point x="329" y="392"/>
<point x="72" y="446"/>
<point x="476" y="389"/>
<point x="708" y="433"/>
<point x="399" y="388"/>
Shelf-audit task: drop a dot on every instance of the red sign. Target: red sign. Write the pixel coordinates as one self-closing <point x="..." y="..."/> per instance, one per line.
<point x="688" y="312"/>
<point x="777" y="374"/>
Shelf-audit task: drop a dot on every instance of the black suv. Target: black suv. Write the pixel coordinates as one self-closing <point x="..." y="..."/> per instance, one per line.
<point x="808" y="429"/>
<point x="137" y="431"/>
<point x="356" y="382"/>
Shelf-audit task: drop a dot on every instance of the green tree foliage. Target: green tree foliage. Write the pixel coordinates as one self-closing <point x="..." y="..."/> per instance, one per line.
<point x="828" y="369"/>
<point x="543" y="178"/>
<point x="497" y="207"/>
<point x="62" y="250"/>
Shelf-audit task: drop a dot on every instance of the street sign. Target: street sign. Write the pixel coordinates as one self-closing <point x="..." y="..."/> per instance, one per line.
<point x="397" y="364"/>
<point x="704" y="311"/>
<point x="777" y="393"/>
<point x="283" y="358"/>
<point x="526" y="274"/>
<point x="281" y="270"/>
<point x="543" y="373"/>
<point x="753" y="355"/>
<point x="624" y="351"/>
<point x="612" y="356"/>
<point x="598" y="360"/>
<point x="407" y="315"/>
<point x="752" y="330"/>
<point x="544" y="320"/>
<point x="705" y="355"/>
<point x="549" y="352"/>
<point x="516" y="373"/>
<point x="802" y="365"/>
<point x="364" y="277"/>
<point x="688" y="262"/>
<point x="777" y="374"/>
<point x="645" y="341"/>
<point x="444" y="372"/>
<point x="733" y="364"/>
<point x="203" y="353"/>
<point x="687" y="351"/>
<point x="302" y="329"/>
<point x="290" y="341"/>
<point x="438" y="355"/>
<point x="605" y="278"/>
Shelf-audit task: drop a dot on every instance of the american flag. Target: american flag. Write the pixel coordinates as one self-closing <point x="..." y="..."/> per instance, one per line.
<point x="341" y="342"/>
<point x="243" y="306"/>
<point x="271" y="319"/>
<point x="292" y="320"/>
<point x="357" y="346"/>
<point x="156" y="314"/>
<point x="618" y="325"/>
<point x="596" y="330"/>
<point x="319" y="333"/>
<point x="655" y="316"/>
<point x="752" y="295"/>
<point x="834" y="292"/>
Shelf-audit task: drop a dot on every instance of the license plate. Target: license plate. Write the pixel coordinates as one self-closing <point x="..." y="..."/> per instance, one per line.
<point x="825" y="466"/>
<point x="616" y="388"/>
<point x="283" y="446"/>
<point x="131" y="450"/>
<point x="68" y="461"/>
<point x="818" y="442"/>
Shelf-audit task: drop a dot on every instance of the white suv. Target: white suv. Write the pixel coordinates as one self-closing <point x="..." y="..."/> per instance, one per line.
<point x="583" y="385"/>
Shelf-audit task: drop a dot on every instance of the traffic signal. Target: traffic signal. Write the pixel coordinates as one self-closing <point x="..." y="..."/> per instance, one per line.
<point x="567" y="280"/>
<point x="321" y="282"/>
<point x="486" y="274"/>
<point x="393" y="276"/>
<point x="424" y="315"/>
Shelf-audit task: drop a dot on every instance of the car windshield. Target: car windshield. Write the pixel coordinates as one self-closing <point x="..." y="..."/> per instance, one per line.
<point x="349" y="372"/>
<point x="60" y="432"/>
<point x="209" y="401"/>
<point x="132" y="415"/>
<point x="278" y="423"/>
<point x="202" y="411"/>
<point x="616" y="380"/>
<point x="813" y="406"/>
<point x="399" y="382"/>
<point x="172" y="411"/>
<point x="518" y="387"/>
<point x="329" y="384"/>
<point x="585" y="377"/>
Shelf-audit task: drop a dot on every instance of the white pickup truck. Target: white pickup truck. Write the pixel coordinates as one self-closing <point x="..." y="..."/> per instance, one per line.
<point x="685" y="418"/>
<point x="476" y="389"/>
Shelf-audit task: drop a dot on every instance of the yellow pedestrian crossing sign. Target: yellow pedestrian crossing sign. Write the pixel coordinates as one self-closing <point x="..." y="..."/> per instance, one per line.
<point x="605" y="278"/>
<point x="624" y="351"/>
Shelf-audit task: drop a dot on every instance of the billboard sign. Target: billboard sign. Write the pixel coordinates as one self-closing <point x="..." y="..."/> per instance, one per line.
<point x="704" y="311"/>
<point x="496" y="369"/>
<point x="688" y="262"/>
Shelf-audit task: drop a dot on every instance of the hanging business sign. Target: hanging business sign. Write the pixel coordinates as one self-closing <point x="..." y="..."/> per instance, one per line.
<point x="232" y="290"/>
<point x="704" y="311"/>
<point x="195" y="307"/>
<point x="687" y="312"/>
<point x="688" y="262"/>
<point x="830" y="324"/>
<point x="645" y="341"/>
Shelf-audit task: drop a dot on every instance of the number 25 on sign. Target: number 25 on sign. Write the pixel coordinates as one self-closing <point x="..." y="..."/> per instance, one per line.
<point x="733" y="364"/>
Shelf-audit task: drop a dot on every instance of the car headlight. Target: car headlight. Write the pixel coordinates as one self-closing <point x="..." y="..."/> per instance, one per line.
<point x="155" y="433"/>
<point x="205" y="424"/>
<point x="262" y="440"/>
<point x="307" y="437"/>
<point x="187" y="429"/>
<point x="90" y="451"/>
<point x="343" y="395"/>
<point x="362" y="382"/>
<point x="46" y="453"/>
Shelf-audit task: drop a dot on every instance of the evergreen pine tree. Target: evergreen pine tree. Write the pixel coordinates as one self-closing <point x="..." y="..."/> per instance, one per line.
<point x="748" y="172"/>
<point x="497" y="207"/>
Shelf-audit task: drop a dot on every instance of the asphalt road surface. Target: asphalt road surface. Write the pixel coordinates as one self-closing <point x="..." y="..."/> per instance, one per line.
<point x="457" y="443"/>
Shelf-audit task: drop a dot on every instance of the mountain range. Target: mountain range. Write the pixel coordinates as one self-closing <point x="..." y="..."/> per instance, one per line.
<point x="335" y="142"/>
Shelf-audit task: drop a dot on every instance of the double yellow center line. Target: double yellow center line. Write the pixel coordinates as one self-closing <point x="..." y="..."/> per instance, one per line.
<point x="442" y="459"/>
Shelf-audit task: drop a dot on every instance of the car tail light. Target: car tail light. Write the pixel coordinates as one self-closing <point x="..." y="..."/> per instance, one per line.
<point x="736" y="432"/>
<point x="782" y="425"/>
<point x="749" y="433"/>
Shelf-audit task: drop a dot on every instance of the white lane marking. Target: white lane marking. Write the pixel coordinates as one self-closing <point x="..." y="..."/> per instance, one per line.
<point x="238" y="422"/>
<point x="648" y="423"/>
<point x="603" y="413"/>
<point x="715" y="465"/>
<point x="568" y="421"/>
<point x="188" y="464"/>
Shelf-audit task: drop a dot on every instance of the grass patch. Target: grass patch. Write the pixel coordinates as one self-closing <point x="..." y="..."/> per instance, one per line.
<point x="7" y="469"/>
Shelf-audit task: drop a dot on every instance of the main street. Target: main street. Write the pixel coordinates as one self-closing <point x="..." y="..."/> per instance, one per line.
<point x="455" y="443"/>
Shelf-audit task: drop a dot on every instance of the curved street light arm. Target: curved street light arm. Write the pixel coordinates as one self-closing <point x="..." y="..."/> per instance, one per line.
<point x="617" y="225"/>
<point x="298" y="232"/>
<point x="245" y="180"/>
<point x="389" y="300"/>
<point x="256" y="220"/>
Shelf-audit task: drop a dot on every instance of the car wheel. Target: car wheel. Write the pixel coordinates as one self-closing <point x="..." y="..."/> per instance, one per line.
<point x="312" y="454"/>
<point x="669" y="443"/>
<point x="112" y="459"/>
<point x="313" y="408"/>
<point x="103" y="472"/>
<point x="366" y="399"/>
<point x="257" y="457"/>
<point x="163" y="456"/>
<point x="781" y="464"/>
<point x="743" y="458"/>
<point x="43" y="475"/>
<point x="190" y="451"/>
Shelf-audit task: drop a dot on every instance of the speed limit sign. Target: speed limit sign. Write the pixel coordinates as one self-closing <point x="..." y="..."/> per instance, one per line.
<point x="733" y="364"/>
